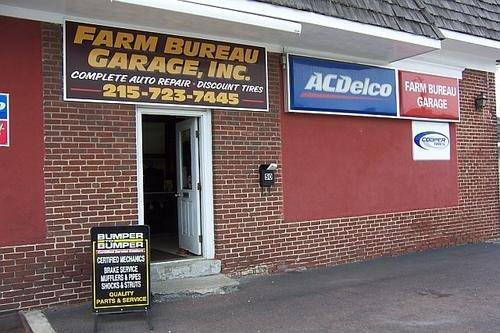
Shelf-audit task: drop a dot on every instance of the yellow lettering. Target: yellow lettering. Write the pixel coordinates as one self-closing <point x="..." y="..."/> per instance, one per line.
<point x="207" y="50"/>
<point x="251" y="56"/>
<point x="98" y="58"/>
<point x="145" y="44"/>
<point x="104" y="37"/>
<point x="124" y="39"/>
<point x="157" y="65"/>
<point x="83" y="33"/>
<point x="237" y="55"/>
<point x="224" y="70"/>
<point x="222" y="52"/>
<point x="119" y="60"/>
<point x="191" y="48"/>
<point x="137" y="62"/>
<point x="239" y="72"/>
<point x="190" y="67"/>
<point x="174" y="45"/>
<point x="174" y="66"/>
<point x="212" y="68"/>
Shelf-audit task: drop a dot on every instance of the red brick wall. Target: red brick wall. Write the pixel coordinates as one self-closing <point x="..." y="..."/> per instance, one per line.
<point x="245" y="217"/>
<point x="251" y="235"/>
<point x="90" y="178"/>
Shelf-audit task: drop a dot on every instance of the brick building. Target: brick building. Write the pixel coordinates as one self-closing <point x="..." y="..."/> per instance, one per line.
<point x="349" y="185"/>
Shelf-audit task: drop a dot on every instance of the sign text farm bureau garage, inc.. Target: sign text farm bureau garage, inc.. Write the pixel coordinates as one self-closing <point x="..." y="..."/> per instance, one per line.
<point x="121" y="65"/>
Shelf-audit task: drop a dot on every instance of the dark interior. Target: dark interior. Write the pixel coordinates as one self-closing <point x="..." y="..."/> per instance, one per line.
<point x="160" y="184"/>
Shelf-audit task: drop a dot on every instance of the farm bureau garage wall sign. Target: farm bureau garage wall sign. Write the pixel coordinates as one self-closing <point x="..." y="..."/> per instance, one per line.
<point x="120" y="65"/>
<point x="120" y="268"/>
<point x="428" y="96"/>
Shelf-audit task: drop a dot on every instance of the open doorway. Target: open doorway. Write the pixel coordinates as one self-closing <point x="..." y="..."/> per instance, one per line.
<point x="171" y="186"/>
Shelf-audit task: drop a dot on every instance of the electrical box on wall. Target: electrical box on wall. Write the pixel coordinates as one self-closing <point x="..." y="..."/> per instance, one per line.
<point x="266" y="173"/>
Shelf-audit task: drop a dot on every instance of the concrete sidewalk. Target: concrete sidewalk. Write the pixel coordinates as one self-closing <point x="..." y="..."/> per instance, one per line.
<point x="449" y="290"/>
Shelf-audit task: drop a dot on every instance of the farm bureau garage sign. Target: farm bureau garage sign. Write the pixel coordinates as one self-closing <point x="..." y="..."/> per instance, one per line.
<point x="128" y="66"/>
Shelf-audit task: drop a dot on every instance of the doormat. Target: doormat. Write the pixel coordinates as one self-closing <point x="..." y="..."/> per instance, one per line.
<point x="157" y="255"/>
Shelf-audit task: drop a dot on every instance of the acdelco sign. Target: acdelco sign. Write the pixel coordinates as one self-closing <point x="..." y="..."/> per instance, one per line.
<point x="326" y="86"/>
<point x="343" y="84"/>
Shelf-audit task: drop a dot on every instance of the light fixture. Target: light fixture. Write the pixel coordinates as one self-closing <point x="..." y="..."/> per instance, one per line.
<point x="219" y="13"/>
<point x="480" y="101"/>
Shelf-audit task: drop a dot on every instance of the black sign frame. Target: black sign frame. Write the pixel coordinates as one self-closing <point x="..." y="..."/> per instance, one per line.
<point x="227" y="77"/>
<point x="119" y="270"/>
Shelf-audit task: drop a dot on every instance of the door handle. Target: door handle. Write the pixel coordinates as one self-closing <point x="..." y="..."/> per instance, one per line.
<point x="177" y="195"/>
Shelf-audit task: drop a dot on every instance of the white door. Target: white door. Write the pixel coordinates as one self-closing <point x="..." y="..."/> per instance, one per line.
<point x="188" y="178"/>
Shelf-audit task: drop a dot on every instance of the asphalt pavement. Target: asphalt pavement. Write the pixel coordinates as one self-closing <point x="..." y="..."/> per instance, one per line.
<point x="11" y="323"/>
<point x="447" y="290"/>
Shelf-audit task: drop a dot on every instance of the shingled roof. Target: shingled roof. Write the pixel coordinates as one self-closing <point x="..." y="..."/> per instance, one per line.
<point x="474" y="17"/>
<point x="420" y="17"/>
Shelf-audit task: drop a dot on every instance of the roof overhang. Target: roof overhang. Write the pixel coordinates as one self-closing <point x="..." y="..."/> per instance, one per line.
<point x="465" y="51"/>
<point x="239" y="21"/>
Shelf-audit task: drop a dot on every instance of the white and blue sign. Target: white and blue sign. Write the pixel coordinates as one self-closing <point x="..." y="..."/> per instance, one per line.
<point x="4" y="106"/>
<point x="431" y="141"/>
<point x="326" y="86"/>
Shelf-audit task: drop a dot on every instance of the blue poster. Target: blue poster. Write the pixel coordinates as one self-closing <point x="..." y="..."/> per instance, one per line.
<point x="331" y="86"/>
<point x="4" y="106"/>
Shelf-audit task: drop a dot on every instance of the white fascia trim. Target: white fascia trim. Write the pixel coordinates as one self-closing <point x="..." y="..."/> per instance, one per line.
<point x="269" y="11"/>
<point x="320" y="20"/>
<point x="225" y="14"/>
<point x="31" y="14"/>
<point x="282" y="13"/>
<point x="485" y="42"/>
<point x="59" y="18"/>
<point x="413" y="65"/>
<point x="333" y="56"/>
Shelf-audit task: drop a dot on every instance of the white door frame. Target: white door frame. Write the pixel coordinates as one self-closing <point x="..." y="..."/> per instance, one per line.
<point x="206" y="169"/>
